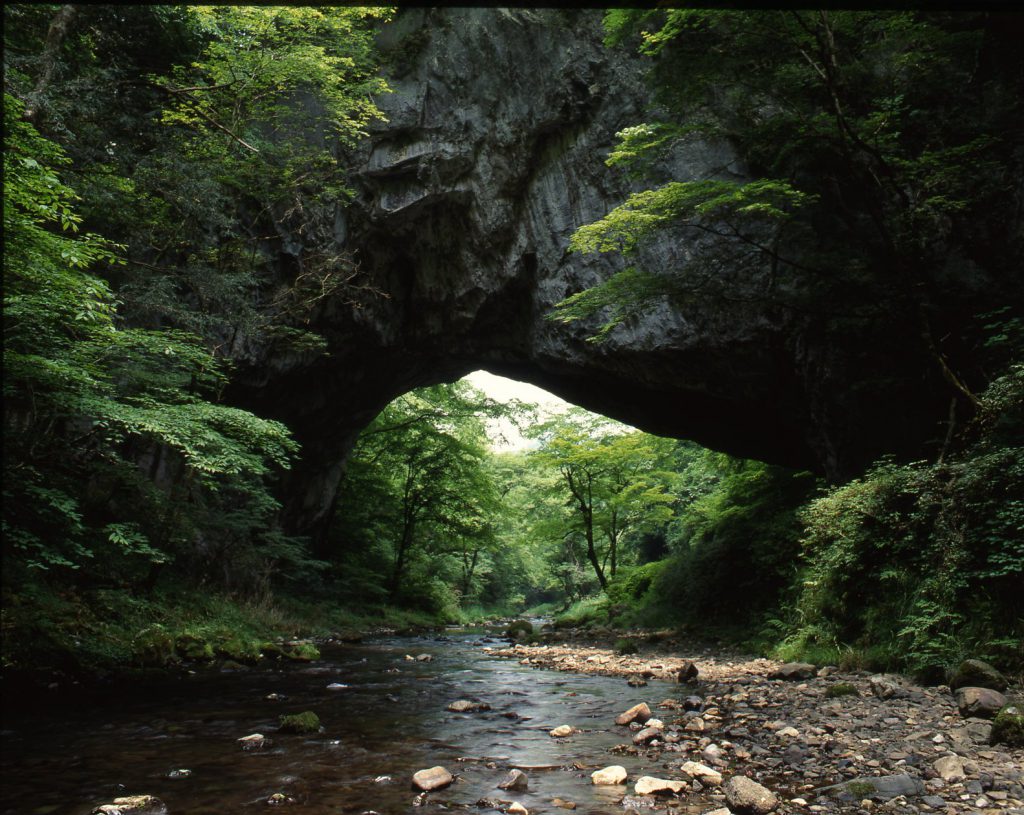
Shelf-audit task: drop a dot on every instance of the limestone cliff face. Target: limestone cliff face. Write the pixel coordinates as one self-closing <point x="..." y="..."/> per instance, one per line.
<point x="492" y="155"/>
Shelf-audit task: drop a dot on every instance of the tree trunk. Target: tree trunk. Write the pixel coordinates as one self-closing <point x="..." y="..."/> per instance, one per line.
<point x="403" y="549"/>
<point x="55" y="36"/>
<point x="588" y="526"/>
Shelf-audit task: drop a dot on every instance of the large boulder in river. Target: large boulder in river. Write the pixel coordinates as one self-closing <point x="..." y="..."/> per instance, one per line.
<point x="983" y="702"/>
<point x="746" y="796"/>
<point x="434" y="778"/>
<point x="974" y="673"/>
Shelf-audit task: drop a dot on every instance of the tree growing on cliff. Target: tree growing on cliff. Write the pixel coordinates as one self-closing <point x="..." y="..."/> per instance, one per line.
<point x="877" y="146"/>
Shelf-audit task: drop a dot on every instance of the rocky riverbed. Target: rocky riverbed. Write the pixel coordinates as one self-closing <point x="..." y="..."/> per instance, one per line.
<point x="466" y="722"/>
<point x="815" y="739"/>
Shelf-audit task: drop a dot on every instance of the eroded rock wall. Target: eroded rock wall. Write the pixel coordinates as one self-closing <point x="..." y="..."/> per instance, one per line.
<point x="492" y="155"/>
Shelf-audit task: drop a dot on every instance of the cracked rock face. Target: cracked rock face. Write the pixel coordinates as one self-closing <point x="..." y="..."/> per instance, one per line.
<point x="491" y="156"/>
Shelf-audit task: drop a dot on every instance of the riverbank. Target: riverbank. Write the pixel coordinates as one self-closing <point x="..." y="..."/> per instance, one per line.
<point x="820" y="739"/>
<point x="68" y="639"/>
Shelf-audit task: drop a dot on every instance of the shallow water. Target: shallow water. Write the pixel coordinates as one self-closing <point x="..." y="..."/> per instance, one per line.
<point x="391" y="721"/>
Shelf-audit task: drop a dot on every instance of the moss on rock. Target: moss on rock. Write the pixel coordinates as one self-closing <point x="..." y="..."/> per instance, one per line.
<point x="303" y="652"/>
<point x="1008" y="727"/>
<point x="154" y="646"/>
<point x="305" y="722"/>
<point x="193" y="648"/>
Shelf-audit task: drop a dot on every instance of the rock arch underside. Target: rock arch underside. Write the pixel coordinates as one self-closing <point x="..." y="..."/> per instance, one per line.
<point x="491" y="156"/>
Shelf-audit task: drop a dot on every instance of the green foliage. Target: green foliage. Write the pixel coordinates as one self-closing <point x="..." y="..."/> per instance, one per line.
<point x="875" y="147"/>
<point x="926" y="557"/>
<point x="84" y="394"/>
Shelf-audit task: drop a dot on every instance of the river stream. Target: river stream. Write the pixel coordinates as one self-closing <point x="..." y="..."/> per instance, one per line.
<point x="390" y="721"/>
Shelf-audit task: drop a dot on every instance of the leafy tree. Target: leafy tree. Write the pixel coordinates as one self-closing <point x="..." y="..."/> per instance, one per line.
<point x="877" y="146"/>
<point x="609" y="478"/>
<point x="424" y="459"/>
<point x="84" y="394"/>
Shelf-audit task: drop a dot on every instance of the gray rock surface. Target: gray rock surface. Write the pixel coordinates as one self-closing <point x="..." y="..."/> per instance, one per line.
<point x="455" y="251"/>
<point x="744" y="795"/>
<point x="433" y="778"/>
<point x="983" y="702"/>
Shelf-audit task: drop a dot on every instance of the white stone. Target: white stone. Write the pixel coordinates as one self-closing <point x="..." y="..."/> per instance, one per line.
<point x="609" y="776"/>
<point x="561" y="731"/>
<point x="433" y="778"/>
<point x="704" y="774"/>
<point x="648" y="785"/>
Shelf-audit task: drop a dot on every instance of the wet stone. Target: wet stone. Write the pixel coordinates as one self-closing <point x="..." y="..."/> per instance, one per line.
<point x="516" y="780"/>
<point x="609" y="776"/>
<point x="638" y="713"/>
<point x="434" y="778"/>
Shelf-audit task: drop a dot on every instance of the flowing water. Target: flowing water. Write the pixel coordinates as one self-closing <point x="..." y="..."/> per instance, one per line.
<point x="390" y="721"/>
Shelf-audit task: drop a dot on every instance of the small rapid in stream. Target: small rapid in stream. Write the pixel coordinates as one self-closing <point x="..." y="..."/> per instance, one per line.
<point x="390" y="721"/>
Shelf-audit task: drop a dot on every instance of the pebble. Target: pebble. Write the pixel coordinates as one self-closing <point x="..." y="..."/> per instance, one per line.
<point x="648" y="785"/>
<point x="561" y="731"/>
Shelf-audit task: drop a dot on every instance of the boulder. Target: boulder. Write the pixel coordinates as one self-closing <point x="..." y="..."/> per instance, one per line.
<point x="519" y="629"/>
<point x="134" y="804"/>
<point x="638" y="713"/>
<point x="609" y="776"/>
<point x="687" y="672"/>
<point x="434" y="778"/>
<point x="702" y="773"/>
<point x="884" y="686"/>
<point x="516" y="781"/>
<point x="693" y="703"/>
<point x="949" y="768"/>
<point x="974" y="673"/>
<point x="515" y="808"/>
<point x="648" y="734"/>
<point x="305" y="722"/>
<point x="793" y="670"/>
<point x="1008" y="727"/>
<point x="648" y="785"/>
<point x="746" y="796"/>
<point x="561" y="731"/>
<point x="424" y="658"/>
<point x="982" y="702"/>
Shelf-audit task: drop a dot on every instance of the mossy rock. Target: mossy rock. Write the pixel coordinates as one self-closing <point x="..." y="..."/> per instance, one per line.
<point x="626" y="646"/>
<point x="303" y="652"/>
<point x="840" y="689"/>
<point x="237" y="650"/>
<point x="1008" y="727"/>
<point x="305" y="722"/>
<point x="519" y="629"/>
<point x="193" y="648"/>
<point x="973" y="673"/>
<point x="272" y="650"/>
<point x="154" y="647"/>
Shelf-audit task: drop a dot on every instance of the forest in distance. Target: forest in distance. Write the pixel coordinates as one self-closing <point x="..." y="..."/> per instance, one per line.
<point x="154" y="156"/>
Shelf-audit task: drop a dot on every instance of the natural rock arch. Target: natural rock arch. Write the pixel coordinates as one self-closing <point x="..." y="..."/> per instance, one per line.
<point x="491" y="157"/>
